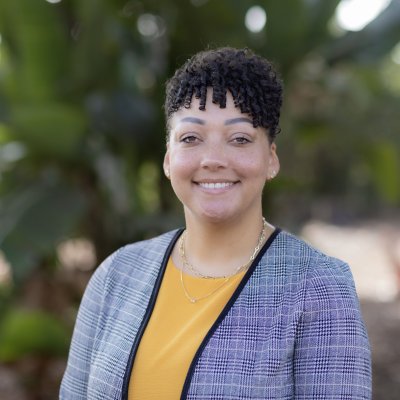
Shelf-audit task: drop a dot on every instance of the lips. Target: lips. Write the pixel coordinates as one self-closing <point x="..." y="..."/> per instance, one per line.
<point x="215" y="185"/>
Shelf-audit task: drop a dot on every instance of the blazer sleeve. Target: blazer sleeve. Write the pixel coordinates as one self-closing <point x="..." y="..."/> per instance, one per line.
<point x="332" y="357"/>
<point x="75" y="380"/>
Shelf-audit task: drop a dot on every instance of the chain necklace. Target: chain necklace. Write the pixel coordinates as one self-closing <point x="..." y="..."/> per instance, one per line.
<point x="226" y="278"/>
<point x="196" y="299"/>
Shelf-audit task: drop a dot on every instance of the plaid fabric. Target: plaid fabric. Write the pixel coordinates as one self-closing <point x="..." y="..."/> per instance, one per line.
<point x="294" y="332"/>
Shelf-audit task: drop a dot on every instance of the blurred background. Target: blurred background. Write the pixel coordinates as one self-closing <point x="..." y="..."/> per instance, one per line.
<point x="82" y="140"/>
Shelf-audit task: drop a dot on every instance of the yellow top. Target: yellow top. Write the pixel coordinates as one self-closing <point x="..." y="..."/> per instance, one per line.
<point x="175" y="331"/>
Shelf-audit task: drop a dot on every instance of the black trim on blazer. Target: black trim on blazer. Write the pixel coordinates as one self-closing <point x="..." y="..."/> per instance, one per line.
<point x="223" y="313"/>
<point x="147" y="315"/>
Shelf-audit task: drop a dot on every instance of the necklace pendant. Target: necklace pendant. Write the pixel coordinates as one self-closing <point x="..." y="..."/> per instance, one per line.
<point x="192" y="300"/>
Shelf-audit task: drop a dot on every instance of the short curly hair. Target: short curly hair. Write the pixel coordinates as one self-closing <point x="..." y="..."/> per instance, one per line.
<point x="252" y="80"/>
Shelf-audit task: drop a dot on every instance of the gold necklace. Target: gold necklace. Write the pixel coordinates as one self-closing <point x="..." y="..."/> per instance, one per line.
<point x="226" y="278"/>
<point x="196" y="299"/>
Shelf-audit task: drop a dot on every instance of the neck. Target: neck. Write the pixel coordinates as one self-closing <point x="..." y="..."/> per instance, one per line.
<point x="218" y="249"/>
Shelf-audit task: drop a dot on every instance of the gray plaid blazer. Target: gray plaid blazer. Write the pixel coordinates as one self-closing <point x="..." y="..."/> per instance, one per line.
<point x="292" y="329"/>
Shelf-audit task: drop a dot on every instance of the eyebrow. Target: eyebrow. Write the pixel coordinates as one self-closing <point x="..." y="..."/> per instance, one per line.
<point x="238" y="120"/>
<point x="194" y="120"/>
<point x="232" y="121"/>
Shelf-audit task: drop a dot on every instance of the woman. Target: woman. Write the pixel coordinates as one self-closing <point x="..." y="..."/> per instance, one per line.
<point x="230" y="307"/>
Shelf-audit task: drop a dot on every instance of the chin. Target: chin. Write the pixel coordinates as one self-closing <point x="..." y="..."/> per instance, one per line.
<point x="216" y="216"/>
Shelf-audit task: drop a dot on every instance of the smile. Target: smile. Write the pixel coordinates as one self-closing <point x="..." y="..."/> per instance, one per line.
<point x="216" y="185"/>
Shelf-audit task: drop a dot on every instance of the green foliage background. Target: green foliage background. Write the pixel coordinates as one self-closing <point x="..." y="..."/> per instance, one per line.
<point x="82" y="134"/>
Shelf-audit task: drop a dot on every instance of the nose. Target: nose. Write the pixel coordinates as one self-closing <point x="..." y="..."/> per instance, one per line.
<point x="214" y="158"/>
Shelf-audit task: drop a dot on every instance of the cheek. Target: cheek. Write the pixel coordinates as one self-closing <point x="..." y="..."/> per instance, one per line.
<point x="181" y="163"/>
<point x="254" y="164"/>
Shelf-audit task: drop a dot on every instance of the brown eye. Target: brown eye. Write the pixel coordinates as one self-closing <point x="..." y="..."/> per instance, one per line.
<point x="189" y="139"/>
<point x="241" y="140"/>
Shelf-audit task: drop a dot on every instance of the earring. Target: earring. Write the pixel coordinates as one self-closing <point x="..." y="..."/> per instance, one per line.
<point x="167" y="174"/>
<point x="273" y="174"/>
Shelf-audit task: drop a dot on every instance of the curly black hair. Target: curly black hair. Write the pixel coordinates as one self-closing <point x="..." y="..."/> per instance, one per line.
<point x="252" y="80"/>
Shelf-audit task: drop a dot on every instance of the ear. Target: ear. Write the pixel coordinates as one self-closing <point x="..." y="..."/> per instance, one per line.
<point x="273" y="165"/>
<point x="166" y="163"/>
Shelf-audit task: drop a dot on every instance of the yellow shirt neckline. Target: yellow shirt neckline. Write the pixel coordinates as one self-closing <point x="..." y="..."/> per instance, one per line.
<point x="174" y="333"/>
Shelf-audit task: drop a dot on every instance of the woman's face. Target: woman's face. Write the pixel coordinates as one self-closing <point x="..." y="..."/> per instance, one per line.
<point x="218" y="162"/>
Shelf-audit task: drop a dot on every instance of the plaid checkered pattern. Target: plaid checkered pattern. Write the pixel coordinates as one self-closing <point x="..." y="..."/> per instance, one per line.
<point x="294" y="331"/>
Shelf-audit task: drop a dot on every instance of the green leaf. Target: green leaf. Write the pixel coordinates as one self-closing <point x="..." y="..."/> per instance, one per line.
<point x="386" y="168"/>
<point x="34" y="220"/>
<point x="26" y="333"/>
<point x="53" y="129"/>
<point x="38" y="40"/>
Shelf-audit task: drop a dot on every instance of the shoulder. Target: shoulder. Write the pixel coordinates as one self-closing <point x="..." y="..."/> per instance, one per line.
<point x="149" y="248"/>
<point x="313" y="276"/>
<point x="328" y="283"/>
<point x="142" y="256"/>
<point x="305" y="258"/>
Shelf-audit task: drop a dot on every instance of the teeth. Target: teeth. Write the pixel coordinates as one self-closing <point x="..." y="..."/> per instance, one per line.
<point x="218" y="185"/>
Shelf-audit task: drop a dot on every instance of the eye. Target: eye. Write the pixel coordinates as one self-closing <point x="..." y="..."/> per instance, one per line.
<point x="241" y="140"/>
<point x="189" y="139"/>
